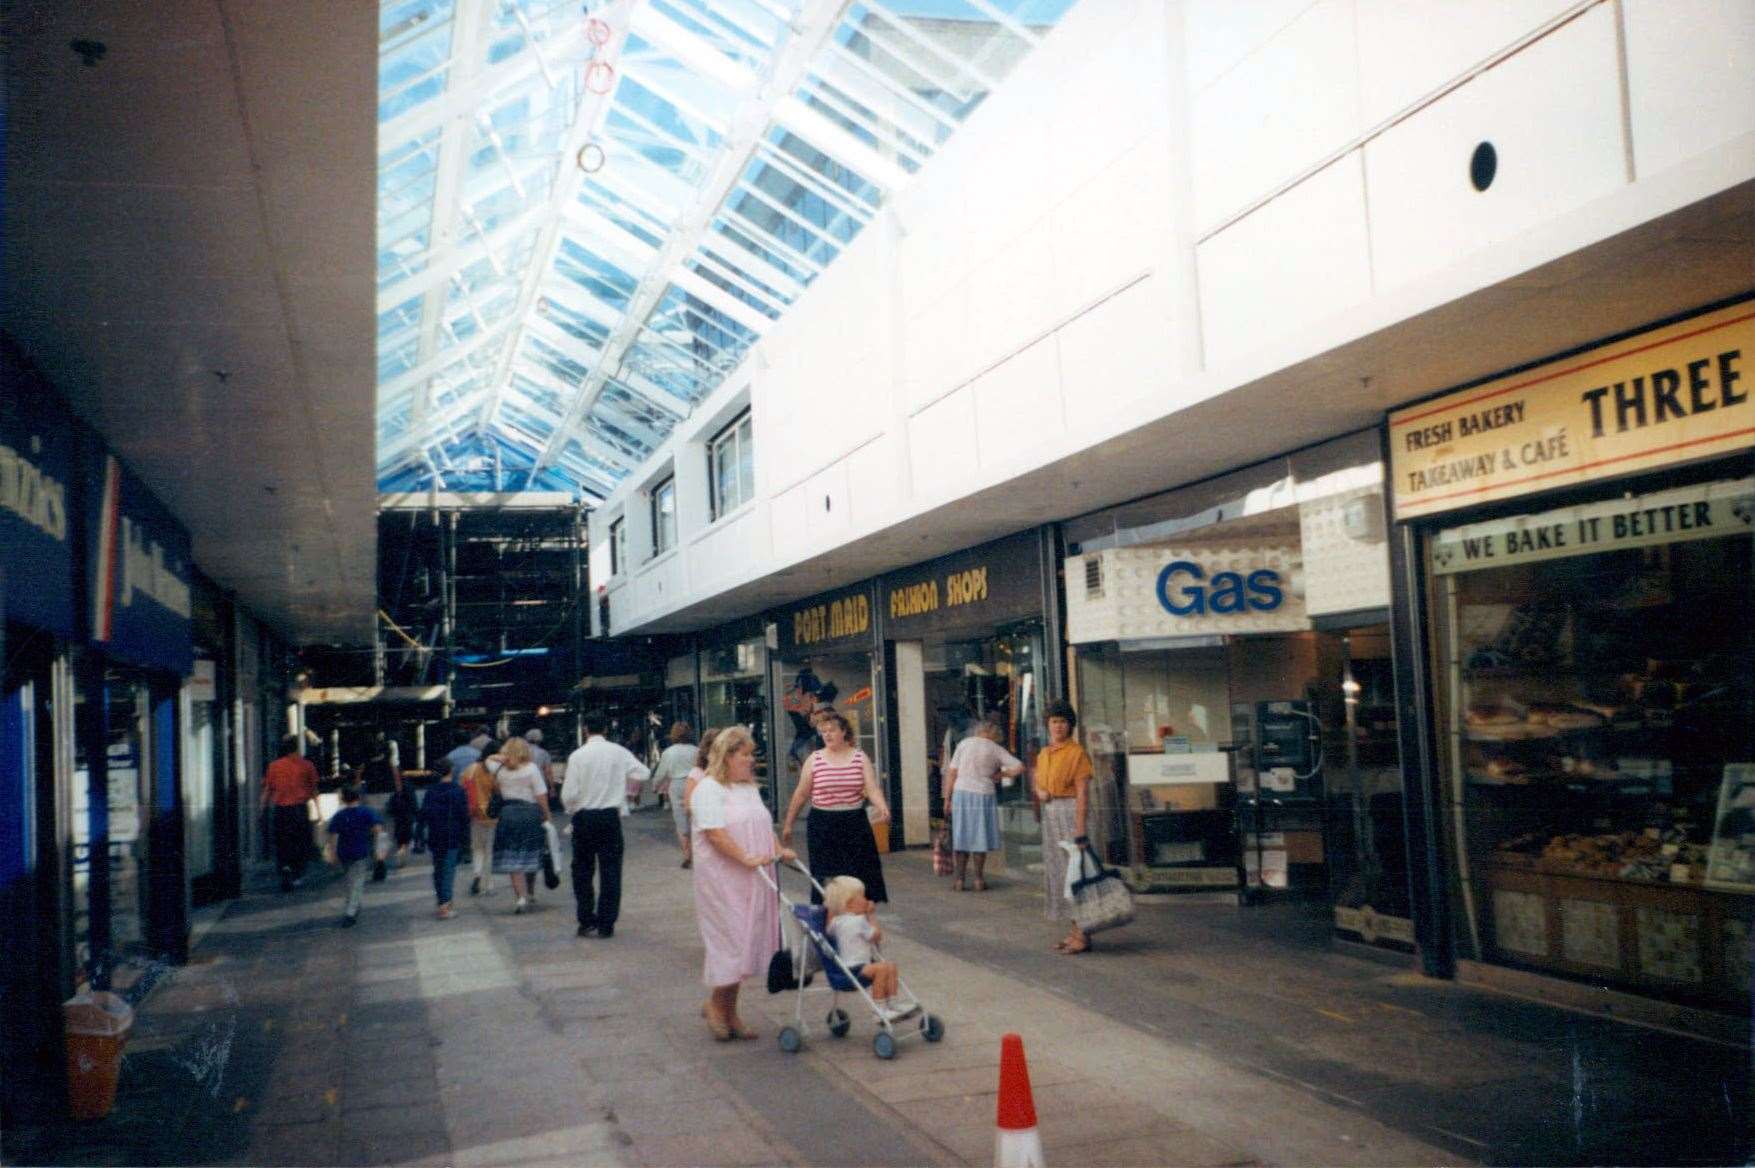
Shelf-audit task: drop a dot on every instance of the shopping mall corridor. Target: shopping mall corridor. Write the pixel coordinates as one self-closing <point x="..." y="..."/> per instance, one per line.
<point x="1204" y="1035"/>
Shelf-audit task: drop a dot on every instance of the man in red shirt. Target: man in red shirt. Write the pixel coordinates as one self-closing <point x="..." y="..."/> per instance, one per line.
<point x="289" y="784"/>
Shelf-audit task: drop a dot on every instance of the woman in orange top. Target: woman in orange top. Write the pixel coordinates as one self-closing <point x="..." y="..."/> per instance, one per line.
<point x="1063" y="783"/>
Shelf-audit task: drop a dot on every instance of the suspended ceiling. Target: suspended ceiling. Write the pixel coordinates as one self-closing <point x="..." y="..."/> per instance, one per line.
<point x="588" y="213"/>
<point x="188" y="241"/>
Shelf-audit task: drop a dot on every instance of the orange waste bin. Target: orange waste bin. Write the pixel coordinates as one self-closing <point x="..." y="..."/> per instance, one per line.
<point x="97" y="1026"/>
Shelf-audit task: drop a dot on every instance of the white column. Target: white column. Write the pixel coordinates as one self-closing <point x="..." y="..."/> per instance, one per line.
<point x="911" y="723"/>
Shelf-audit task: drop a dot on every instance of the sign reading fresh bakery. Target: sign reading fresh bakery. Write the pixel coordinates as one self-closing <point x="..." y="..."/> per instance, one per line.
<point x="1667" y="395"/>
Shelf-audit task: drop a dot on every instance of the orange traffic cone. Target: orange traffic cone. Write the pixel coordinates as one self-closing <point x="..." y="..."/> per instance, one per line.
<point x="1017" y="1143"/>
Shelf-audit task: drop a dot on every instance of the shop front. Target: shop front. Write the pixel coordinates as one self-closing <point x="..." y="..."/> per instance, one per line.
<point x="1233" y="673"/>
<point x="38" y="629"/>
<point x="1578" y="599"/>
<point x="967" y="637"/>
<point x="129" y="891"/>
<point x="681" y="689"/>
<point x="823" y="656"/>
<point x="735" y="686"/>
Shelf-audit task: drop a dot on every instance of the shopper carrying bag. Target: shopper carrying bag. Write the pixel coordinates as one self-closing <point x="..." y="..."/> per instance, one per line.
<point x="1099" y="897"/>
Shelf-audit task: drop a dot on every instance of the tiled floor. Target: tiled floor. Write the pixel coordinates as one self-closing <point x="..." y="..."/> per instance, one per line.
<point x="1205" y="1035"/>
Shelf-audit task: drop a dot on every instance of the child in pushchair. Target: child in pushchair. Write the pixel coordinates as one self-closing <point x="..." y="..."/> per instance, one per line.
<point x="839" y="936"/>
<point x="854" y="929"/>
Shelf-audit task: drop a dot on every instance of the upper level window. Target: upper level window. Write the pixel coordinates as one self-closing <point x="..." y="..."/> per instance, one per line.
<point x="731" y="466"/>
<point x="664" y="516"/>
<point x="618" y="546"/>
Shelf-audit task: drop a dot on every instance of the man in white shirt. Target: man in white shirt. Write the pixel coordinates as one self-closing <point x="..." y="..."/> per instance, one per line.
<point x="595" y="795"/>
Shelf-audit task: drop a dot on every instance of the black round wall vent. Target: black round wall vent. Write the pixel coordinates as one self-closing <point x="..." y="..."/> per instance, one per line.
<point x="1483" y="165"/>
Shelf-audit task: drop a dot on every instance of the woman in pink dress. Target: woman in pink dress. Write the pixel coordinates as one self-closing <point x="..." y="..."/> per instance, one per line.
<point x="738" y="913"/>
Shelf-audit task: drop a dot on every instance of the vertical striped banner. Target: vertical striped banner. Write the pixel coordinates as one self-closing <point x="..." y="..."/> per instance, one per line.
<point x="103" y="614"/>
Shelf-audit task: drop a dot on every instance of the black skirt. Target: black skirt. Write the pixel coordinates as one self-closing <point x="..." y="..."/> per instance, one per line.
<point x="841" y="844"/>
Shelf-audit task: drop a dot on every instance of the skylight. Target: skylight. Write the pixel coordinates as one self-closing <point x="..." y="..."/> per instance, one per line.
<point x="588" y="213"/>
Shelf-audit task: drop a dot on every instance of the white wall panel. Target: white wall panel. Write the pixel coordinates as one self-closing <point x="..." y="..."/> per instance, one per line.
<point x="788" y="525"/>
<point x="929" y="248"/>
<point x="1277" y="113"/>
<point x="1092" y="254"/>
<point x="998" y="182"/>
<point x="936" y="346"/>
<point x="874" y="482"/>
<point x="828" y="507"/>
<point x="1012" y="297"/>
<point x="657" y="584"/>
<point x="941" y="446"/>
<point x="1690" y="75"/>
<point x="1221" y="33"/>
<point x="1552" y="113"/>
<point x="1116" y="352"/>
<point x="727" y="551"/>
<point x="1017" y="405"/>
<point x="1273" y="273"/>
<point x="1403" y="58"/>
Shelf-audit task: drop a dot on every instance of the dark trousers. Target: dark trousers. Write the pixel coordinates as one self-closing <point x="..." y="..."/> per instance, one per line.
<point x="597" y="844"/>
<point x="292" y="842"/>
<point x="444" y="873"/>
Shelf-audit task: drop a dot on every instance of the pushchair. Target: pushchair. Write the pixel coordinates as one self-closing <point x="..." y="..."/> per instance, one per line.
<point x="812" y="949"/>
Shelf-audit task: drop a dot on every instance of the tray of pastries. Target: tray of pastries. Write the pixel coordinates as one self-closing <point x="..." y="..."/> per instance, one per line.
<point x="1514" y="722"/>
<point x="1652" y="854"/>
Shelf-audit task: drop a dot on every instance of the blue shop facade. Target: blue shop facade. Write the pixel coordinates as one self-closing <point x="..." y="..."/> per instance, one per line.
<point x="137" y="703"/>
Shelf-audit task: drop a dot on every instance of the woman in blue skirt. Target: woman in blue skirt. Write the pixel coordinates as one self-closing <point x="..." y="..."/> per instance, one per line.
<point x="971" y="803"/>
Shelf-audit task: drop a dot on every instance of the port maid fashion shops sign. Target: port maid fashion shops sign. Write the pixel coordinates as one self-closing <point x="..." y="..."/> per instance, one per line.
<point x="139" y="571"/>
<point x="1667" y="395"/>
<point x="1142" y="592"/>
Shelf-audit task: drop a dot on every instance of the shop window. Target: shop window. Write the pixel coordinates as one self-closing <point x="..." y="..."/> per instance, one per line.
<point x="664" y="516"/>
<point x="731" y="466"/>
<point x="1597" y="717"/>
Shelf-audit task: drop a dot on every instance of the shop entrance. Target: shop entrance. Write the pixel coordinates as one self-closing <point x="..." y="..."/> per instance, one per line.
<point x="947" y="683"/>
<point x="1265" y="763"/>
<point x="809" y="683"/>
<point x="109" y="832"/>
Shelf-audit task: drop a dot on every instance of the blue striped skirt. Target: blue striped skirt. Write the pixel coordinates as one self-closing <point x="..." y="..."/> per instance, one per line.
<point x="518" y="838"/>
<point x="974" y="822"/>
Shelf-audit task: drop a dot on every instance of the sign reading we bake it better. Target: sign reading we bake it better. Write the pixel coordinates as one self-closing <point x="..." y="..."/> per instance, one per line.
<point x="1667" y="395"/>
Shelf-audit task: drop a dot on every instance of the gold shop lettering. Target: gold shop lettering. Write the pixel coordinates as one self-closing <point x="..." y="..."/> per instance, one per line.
<point x="847" y="617"/>
<point x="965" y="587"/>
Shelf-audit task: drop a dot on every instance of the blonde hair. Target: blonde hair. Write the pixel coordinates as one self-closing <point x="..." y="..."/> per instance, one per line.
<point x="731" y="740"/>
<point x="516" y="752"/>
<point x="840" y="890"/>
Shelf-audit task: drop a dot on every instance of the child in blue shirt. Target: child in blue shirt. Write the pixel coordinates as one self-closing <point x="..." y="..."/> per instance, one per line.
<point x="353" y="828"/>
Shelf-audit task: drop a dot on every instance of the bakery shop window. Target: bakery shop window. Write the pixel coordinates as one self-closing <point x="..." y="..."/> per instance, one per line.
<point x="1597" y="726"/>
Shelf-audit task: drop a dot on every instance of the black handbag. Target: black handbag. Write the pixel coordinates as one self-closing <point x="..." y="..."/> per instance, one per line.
<point x="781" y="976"/>
<point x="496" y="805"/>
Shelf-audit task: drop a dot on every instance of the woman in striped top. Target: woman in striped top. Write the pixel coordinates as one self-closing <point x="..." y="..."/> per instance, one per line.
<point x="838" y="780"/>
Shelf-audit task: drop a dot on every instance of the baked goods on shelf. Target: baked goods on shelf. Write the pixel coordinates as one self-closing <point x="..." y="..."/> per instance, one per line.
<point x="1501" y="772"/>
<point x="1564" y="717"/>
<point x="1652" y="854"/>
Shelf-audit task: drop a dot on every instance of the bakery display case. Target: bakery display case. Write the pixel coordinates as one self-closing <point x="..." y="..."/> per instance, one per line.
<point x="1598" y="730"/>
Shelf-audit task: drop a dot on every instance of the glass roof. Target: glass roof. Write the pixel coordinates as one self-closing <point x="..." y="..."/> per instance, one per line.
<point x="588" y="213"/>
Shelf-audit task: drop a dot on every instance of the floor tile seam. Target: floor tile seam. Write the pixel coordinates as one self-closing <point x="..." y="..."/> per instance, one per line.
<point x="874" y="1103"/>
<point x="1011" y="989"/>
